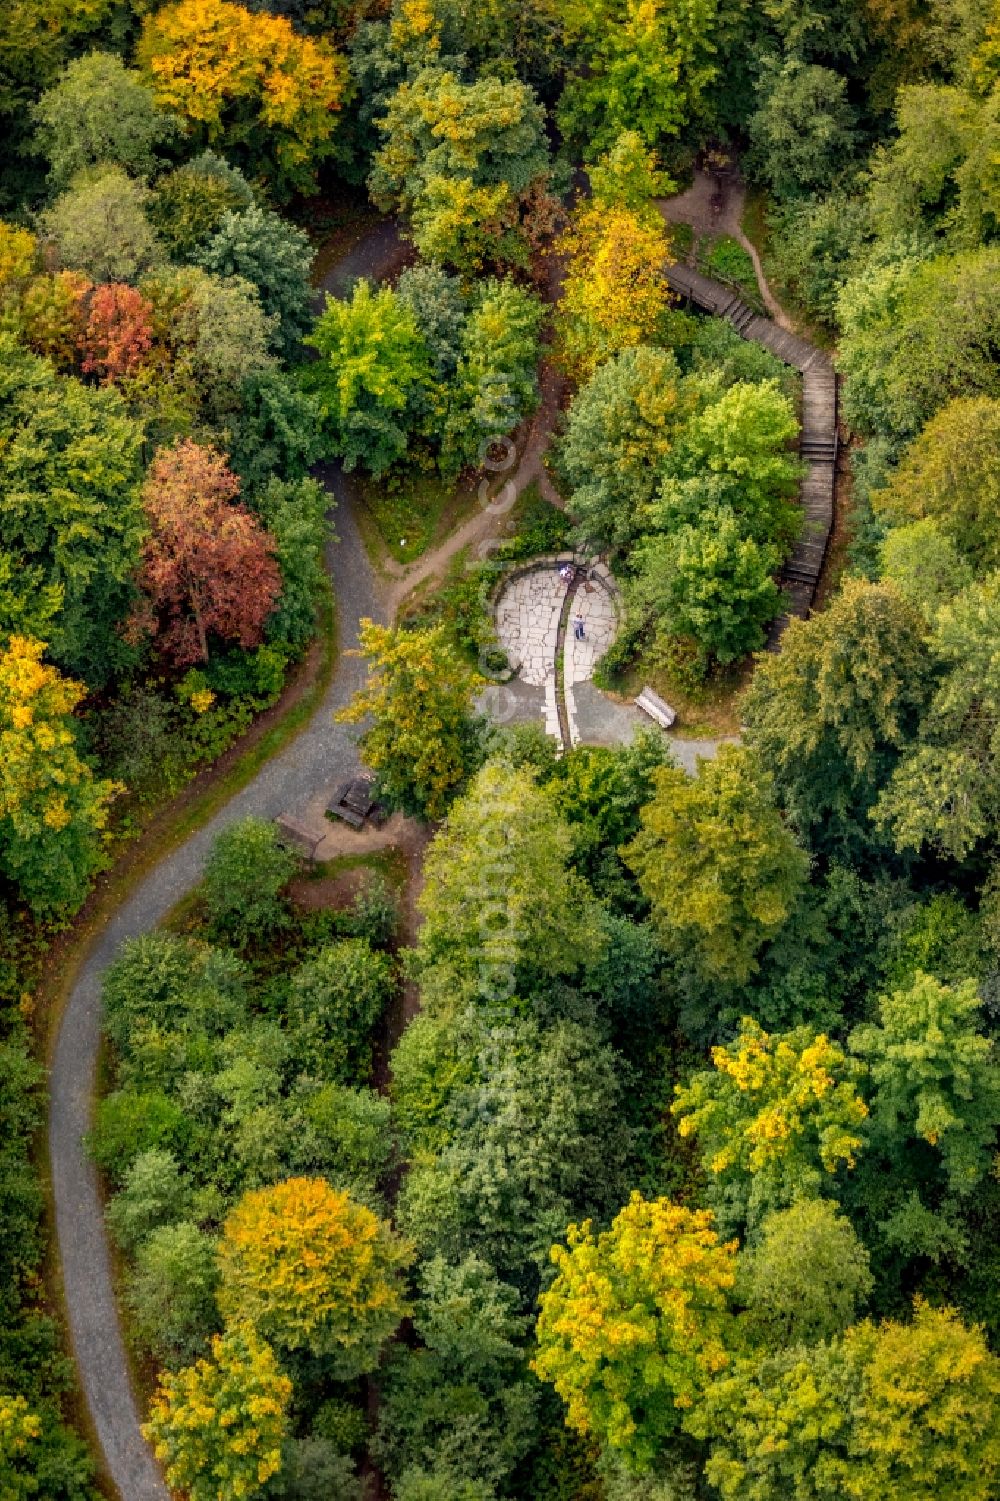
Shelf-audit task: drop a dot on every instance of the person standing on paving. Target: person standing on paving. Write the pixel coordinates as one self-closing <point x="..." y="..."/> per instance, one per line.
<point x="578" y="629"/>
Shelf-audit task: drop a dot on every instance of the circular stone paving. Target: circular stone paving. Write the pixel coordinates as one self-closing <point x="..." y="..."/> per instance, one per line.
<point x="528" y="612"/>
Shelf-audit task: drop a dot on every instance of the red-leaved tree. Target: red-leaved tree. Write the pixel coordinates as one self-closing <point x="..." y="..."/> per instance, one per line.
<point x="119" y="331"/>
<point x="208" y="566"/>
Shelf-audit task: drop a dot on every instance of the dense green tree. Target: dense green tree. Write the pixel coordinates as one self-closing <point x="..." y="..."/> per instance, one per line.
<point x="100" y="114"/>
<point x="261" y="248"/>
<point x="934" y="1076"/>
<point x="438" y="303"/>
<point x="716" y="862"/>
<point x="536" y="1139"/>
<point x="495" y="384"/>
<point x="99" y="226"/>
<point x="462" y="1401"/>
<point x="805" y="1277"/>
<point x="830" y="714"/>
<point x="802" y="131"/>
<point x="244" y="877"/>
<point x="295" y="516"/>
<point x="189" y="203"/>
<point x="943" y="793"/>
<point x="71" y="522"/>
<point x="499" y="901"/>
<point x="334" y="1001"/>
<point x="372" y="371"/>
<point x="711" y="583"/>
<point x="172" y="1292"/>
<point x="642" y="67"/>
<point x="947" y="475"/>
<point x="916" y="334"/>
<point x="153" y="1194"/>
<point x="620" y="428"/>
<point x="924" y="566"/>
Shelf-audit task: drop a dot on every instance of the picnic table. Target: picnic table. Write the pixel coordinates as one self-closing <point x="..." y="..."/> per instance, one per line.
<point x="352" y="801"/>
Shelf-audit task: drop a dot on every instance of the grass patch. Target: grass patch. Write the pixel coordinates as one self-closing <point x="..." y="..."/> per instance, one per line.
<point x="403" y="516"/>
<point x="681" y="239"/>
<point x="705" y="712"/>
<point x="724" y="259"/>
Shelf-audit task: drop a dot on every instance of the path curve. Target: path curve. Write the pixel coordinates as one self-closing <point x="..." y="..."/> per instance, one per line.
<point x="320" y="756"/>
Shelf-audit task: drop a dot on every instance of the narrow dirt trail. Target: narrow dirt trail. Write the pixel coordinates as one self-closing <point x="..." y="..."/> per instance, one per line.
<point x="714" y="205"/>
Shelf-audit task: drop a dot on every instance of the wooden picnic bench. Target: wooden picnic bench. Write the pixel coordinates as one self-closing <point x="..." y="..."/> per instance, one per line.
<point x="297" y="836"/>
<point x="657" y="708"/>
<point x="352" y="801"/>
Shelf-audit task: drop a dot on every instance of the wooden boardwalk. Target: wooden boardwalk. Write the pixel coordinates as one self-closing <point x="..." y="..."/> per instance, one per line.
<point x="817" y="441"/>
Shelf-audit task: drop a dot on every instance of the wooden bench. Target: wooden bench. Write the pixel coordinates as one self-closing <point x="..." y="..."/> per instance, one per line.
<point x="296" y="836"/>
<point x="352" y="801"/>
<point x="652" y="704"/>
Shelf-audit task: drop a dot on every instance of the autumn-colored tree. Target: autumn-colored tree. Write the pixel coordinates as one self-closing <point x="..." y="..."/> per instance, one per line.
<point x="20" y="1430"/>
<point x="310" y="1269"/>
<point x="207" y="565"/>
<point x="634" y="1326"/>
<point x="419" y="693"/>
<point x="717" y="863"/>
<point x="18" y="257"/>
<point x="217" y="1426"/>
<point x="51" y="805"/>
<point x="52" y="317"/>
<point x="927" y="1422"/>
<point x="119" y="332"/>
<point x="615" y="293"/>
<point x="247" y="82"/>
<point x="773" y="1116"/>
<point x="949" y="475"/>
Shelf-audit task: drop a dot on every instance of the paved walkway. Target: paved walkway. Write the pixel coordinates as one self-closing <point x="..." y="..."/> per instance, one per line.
<point x="301" y="775"/>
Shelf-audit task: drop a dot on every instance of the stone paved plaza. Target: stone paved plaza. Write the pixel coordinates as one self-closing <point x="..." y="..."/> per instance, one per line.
<point x="527" y="618"/>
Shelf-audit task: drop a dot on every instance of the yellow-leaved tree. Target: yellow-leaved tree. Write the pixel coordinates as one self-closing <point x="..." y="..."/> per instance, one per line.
<point x="52" y="807"/>
<point x="616" y="248"/>
<point x="633" y="1328"/>
<point x="419" y="694"/>
<point x="777" y="1113"/>
<point x="217" y="1426"/>
<point x="310" y="1269"/>
<point x="249" y="83"/>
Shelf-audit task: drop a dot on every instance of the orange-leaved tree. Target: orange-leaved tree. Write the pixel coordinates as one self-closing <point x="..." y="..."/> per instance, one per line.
<point x="208" y="566"/>
<point x="249" y="83"/>
<point x="310" y="1269"/>
<point x="119" y="332"/>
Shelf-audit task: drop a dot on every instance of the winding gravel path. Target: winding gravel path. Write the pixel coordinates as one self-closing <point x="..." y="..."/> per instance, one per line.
<point x="320" y="756"/>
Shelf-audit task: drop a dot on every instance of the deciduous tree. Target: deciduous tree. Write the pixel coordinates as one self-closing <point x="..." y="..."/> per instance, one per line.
<point x="119" y="332"/>
<point x="309" y="1269"/>
<point x="217" y="1426"/>
<point x="207" y="565"/>
<point x="614" y="294"/>
<point x="100" y="113"/>
<point x="52" y="807"/>
<point x="419" y="693"/>
<point x="247" y="83"/>
<point x="717" y="863"/>
<point x="634" y="1326"/>
<point x="372" y="369"/>
<point x="99" y="226"/>
<point x="275" y="257"/>
<point x="776" y="1114"/>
